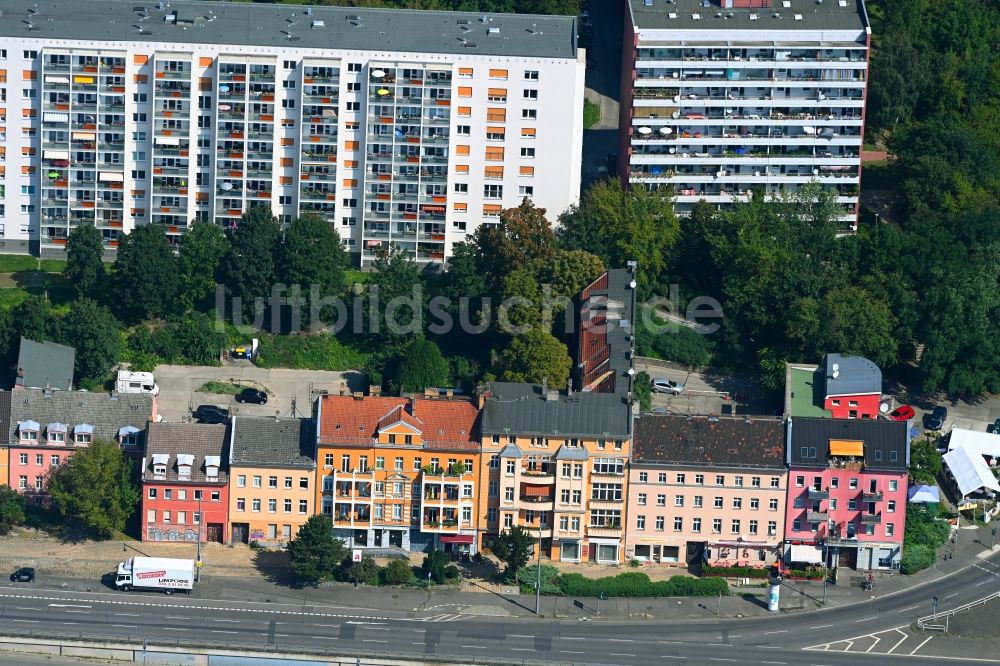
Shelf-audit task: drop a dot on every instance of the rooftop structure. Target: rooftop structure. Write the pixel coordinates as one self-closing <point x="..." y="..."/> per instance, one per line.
<point x="448" y="423"/>
<point x="45" y="365"/>
<point x="263" y="441"/>
<point x="876" y="445"/>
<point x="851" y="375"/>
<point x="749" y="442"/>
<point x="195" y="452"/>
<point x="109" y="416"/>
<point x="532" y="409"/>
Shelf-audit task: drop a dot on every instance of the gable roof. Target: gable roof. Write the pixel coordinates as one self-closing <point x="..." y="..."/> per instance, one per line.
<point x="106" y="412"/>
<point x="527" y="409"/>
<point x="449" y="423"/>
<point x="193" y="439"/>
<point x="264" y="441"/>
<point x="45" y="365"/>
<point x="397" y="415"/>
<point x="881" y="439"/>
<point x="855" y="375"/>
<point x="724" y="441"/>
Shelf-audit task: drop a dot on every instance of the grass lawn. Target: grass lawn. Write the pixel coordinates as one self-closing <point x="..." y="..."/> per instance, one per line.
<point x="222" y="388"/>
<point x="354" y="276"/>
<point x="14" y="263"/>
<point x="591" y="114"/>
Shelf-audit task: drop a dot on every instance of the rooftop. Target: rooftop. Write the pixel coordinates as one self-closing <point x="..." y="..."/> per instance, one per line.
<point x="448" y="423"/>
<point x="885" y="445"/>
<point x="45" y="365"/>
<point x="528" y="409"/>
<point x="804" y="391"/>
<point x="723" y="441"/>
<point x="266" y="441"/>
<point x="605" y="328"/>
<point x="199" y="440"/>
<point x="285" y="26"/>
<point x="777" y="15"/>
<point x="851" y="375"/>
<point x="106" y="412"/>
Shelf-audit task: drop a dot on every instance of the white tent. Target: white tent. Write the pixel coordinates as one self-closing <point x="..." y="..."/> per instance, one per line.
<point x="970" y="471"/>
<point x="986" y="443"/>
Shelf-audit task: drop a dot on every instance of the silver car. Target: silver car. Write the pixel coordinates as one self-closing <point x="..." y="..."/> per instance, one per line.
<point x="667" y="386"/>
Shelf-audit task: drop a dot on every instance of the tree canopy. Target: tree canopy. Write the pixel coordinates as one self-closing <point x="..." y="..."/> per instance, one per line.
<point x="144" y="264"/>
<point x="314" y="554"/>
<point x="202" y="249"/>
<point x="420" y="366"/>
<point x="96" y="487"/>
<point x="84" y="263"/>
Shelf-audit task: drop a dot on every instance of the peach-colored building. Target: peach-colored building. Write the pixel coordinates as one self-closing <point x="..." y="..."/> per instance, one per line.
<point x="707" y="490"/>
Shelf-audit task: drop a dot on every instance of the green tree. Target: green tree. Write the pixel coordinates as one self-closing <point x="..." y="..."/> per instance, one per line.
<point x="463" y="278"/>
<point x="366" y="571"/>
<point x="394" y="293"/>
<point x="96" y="487"/>
<point x="420" y="366"/>
<point x="513" y="548"/>
<point x="925" y="462"/>
<point x="314" y="554"/>
<point x="569" y="271"/>
<point x="536" y="356"/>
<point x="33" y="318"/>
<point x="312" y="256"/>
<point x="142" y="274"/>
<point x="248" y="268"/>
<point x="523" y="237"/>
<point x="202" y="249"/>
<point x="397" y="572"/>
<point x="96" y="334"/>
<point x="84" y="264"/>
<point x="11" y="509"/>
<point x="642" y="390"/>
<point x="521" y="301"/>
<point x="434" y="565"/>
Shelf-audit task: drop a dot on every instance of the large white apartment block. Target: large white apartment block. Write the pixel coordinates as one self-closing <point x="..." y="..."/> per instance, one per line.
<point x="726" y="97"/>
<point x="401" y="128"/>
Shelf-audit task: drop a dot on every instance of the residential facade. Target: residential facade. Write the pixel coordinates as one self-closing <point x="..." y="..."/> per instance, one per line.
<point x="847" y="492"/>
<point x="707" y="490"/>
<point x="185" y="483"/>
<point x="399" y="473"/>
<point x="5" y="397"/>
<point x="555" y="463"/>
<point x="724" y="98"/>
<point x="47" y="427"/>
<point x="398" y="127"/>
<point x="272" y="478"/>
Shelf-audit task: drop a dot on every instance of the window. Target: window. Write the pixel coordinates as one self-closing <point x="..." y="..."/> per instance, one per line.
<point x="303" y="506"/>
<point x="772" y="528"/>
<point x="796" y="525"/>
<point x="890" y="529"/>
<point x="463" y="130"/>
<point x="735" y="526"/>
<point x="893" y="486"/>
<point x="272" y="505"/>
<point x="353" y="106"/>
<point x="241" y="504"/>
<point x="166" y="517"/>
<point x="640" y="522"/>
<point x="241" y="481"/>
<point x="737" y="502"/>
<point x="525" y="190"/>
<point x="531" y="75"/>
<point x="529" y="114"/>
<point x="465" y="72"/>
<point x="890" y="506"/>
<point x="350" y="203"/>
<point x="775" y="482"/>
<point x="852" y="505"/>
<point x="287" y="505"/>
<point x="491" y="514"/>
<point x="661" y="500"/>
<point x="577" y="497"/>
<point x="680" y="478"/>
<point x="754" y="504"/>
<point x="528" y="132"/>
<point x="151" y="494"/>
<point x="39" y="459"/>
<point x="495" y="95"/>
<point x="720" y="480"/>
<point x="659" y="523"/>
<point x="328" y="460"/>
<point x="643" y="477"/>
<point x="511" y="467"/>
<point x="379" y="462"/>
<point x="272" y="482"/>
<point x="641" y="498"/>
<point x="718" y="502"/>
<point x="717" y="526"/>
<point x="800" y="481"/>
<point x="834" y="483"/>
<point x="606" y="492"/>
<point x="508" y="494"/>
<point x="168" y="494"/>
<point x="531" y="93"/>
<point x="288" y="64"/>
<point x="755" y="481"/>
<point x="678" y="524"/>
<point x="799" y="502"/>
<point x="256" y="505"/>
<point x="678" y="500"/>
<point x="609" y="466"/>
<point x="493" y="191"/>
<point x="24" y="461"/>
<point x="698" y="500"/>
<point x="256" y="481"/>
<point x="853" y="484"/>
<point x="354" y="67"/>
<point x="772" y="505"/>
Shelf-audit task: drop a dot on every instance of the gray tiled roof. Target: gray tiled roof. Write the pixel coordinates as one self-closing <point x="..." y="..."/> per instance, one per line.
<point x="655" y="14"/>
<point x="855" y="375"/>
<point x="513" y="408"/>
<point x="5" y="399"/>
<point x="107" y="412"/>
<point x="196" y="439"/>
<point x="511" y="451"/>
<point x="723" y="441"/>
<point x="571" y="453"/>
<point x="263" y="441"/>
<point x="45" y="365"/>
<point x="881" y="440"/>
<point x="284" y="26"/>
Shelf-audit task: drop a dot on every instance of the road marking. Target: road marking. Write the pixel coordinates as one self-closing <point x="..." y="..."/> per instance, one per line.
<point x="981" y="583"/>
<point x="511" y="635"/>
<point x="872" y="646"/>
<point x="223" y="631"/>
<point x="901" y="640"/>
<point x="78" y="611"/>
<point x="573" y="638"/>
<point x="126" y="626"/>
<point x="720" y="659"/>
<point x="620" y="640"/>
<point x="472" y="647"/>
<point x="69" y="606"/>
<point x="127" y="614"/>
<point x="26" y="608"/>
<point x="35" y="621"/>
<point x="174" y="629"/>
<point x="774" y="662"/>
<point x="220" y="619"/>
<point x="569" y="652"/>
<point x="908" y="608"/>
<point x="921" y="645"/>
<point x="768" y="647"/>
<point x="337" y="625"/>
<point x="867" y="619"/>
<point x="671" y="656"/>
<point x="175" y="617"/>
<point x="621" y="654"/>
<point x="331" y="638"/>
<point x="779" y="631"/>
<point x="822" y="626"/>
<point x="372" y="640"/>
<point x="517" y="649"/>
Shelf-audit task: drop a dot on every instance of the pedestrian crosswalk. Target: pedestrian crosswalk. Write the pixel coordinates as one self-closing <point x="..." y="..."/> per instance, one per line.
<point x="447" y="617"/>
<point x="895" y="641"/>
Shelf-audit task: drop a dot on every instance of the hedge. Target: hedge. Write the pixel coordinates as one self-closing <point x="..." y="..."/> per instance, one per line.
<point x="809" y="574"/>
<point x="636" y="584"/>
<point x="737" y="572"/>
<point x="916" y="557"/>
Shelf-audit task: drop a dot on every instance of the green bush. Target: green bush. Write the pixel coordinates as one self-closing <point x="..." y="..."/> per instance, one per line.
<point x="451" y="572"/>
<point x="321" y="351"/>
<point x="434" y="564"/>
<point x="736" y="572"/>
<point x="915" y="558"/>
<point x="549" y="574"/>
<point x="397" y="572"/>
<point x="366" y="571"/>
<point x="636" y="584"/>
<point x="809" y="574"/>
<point x="684" y="345"/>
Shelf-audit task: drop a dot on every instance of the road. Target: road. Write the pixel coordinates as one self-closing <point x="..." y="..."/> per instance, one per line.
<point x="876" y="628"/>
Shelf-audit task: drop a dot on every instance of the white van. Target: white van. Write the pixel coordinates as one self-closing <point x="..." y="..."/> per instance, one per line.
<point x="136" y="382"/>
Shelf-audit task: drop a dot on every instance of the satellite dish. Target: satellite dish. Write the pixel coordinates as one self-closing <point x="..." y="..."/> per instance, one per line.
<point x="836" y="367"/>
<point x="836" y="373"/>
<point x="884" y="407"/>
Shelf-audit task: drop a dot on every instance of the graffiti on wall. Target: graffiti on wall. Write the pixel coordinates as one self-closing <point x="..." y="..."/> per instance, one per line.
<point x="256" y="535"/>
<point x="171" y="534"/>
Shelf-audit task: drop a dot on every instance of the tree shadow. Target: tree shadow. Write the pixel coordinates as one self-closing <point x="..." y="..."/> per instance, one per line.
<point x="274" y="566"/>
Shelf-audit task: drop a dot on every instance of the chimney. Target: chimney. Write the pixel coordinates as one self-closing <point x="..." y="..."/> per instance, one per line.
<point x="411" y="404"/>
<point x="449" y="393"/>
<point x="375" y="389"/>
<point x="545" y="384"/>
<point x="430" y="392"/>
<point x="358" y="395"/>
<point x="551" y="396"/>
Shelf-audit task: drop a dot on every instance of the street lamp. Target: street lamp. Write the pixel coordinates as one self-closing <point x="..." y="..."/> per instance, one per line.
<point x="197" y="564"/>
<point x="538" y="572"/>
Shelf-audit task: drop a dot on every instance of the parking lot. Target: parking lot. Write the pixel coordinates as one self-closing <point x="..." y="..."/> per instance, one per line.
<point x="709" y="393"/>
<point x="290" y="392"/>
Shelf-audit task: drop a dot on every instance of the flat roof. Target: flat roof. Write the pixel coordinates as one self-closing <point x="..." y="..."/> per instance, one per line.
<point x="803" y="394"/>
<point x="791" y="15"/>
<point x="288" y="26"/>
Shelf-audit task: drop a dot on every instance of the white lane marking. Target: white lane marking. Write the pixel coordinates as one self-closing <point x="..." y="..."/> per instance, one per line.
<point x="774" y="662"/>
<point x="901" y="640"/>
<point x="982" y="582"/>
<point x="720" y="659"/>
<point x="573" y="638"/>
<point x="372" y="640"/>
<point x="126" y="626"/>
<point x="474" y="647"/>
<point x="127" y="614"/>
<point x="620" y="640"/>
<point x="621" y="654"/>
<point x="872" y="646"/>
<point x="779" y="631"/>
<point x="69" y="606"/>
<point x="27" y="608"/>
<point x="518" y="636"/>
<point x="78" y="611"/>
<point x="867" y="619"/>
<point x="223" y="631"/>
<point x="175" y="617"/>
<point x="221" y="619"/>
<point x="908" y="608"/>
<point x="569" y="652"/>
<point x="173" y="629"/>
<point x="768" y="647"/>
<point x="516" y="649"/>
<point x="921" y="645"/>
<point x="24" y="620"/>
<point x="670" y="656"/>
<point x="326" y="625"/>
<point x="822" y="626"/>
<point x="330" y="638"/>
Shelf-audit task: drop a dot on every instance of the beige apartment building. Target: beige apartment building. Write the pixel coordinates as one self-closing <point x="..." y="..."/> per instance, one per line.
<point x="706" y="490"/>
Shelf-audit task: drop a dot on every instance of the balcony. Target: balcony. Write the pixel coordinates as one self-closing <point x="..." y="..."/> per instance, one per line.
<point x="818" y="495"/>
<point x="871" y="519"/>
<point x="817" y="516"/>
<point x="872" y="497"/>
<point x="611" y="529"/>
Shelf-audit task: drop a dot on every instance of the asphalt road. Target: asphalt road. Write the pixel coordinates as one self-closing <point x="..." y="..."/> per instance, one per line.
<point x="836" y="635"/>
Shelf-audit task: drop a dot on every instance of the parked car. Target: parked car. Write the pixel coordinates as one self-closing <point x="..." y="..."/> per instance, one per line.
<point x="902" y="413"/>
<point x="935" y="419"/>
<point x="23" y="575"/>
<point x="995" y="428"/>
<point x="252" y="395"/>
<point x="211" y="414"/>
<point x="667" y="386"/>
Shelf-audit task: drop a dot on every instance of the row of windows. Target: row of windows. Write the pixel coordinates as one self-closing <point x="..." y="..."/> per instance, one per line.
<point x="346" y="462"/>
<point x="852" y="483"/>
<point x="735" y="525"/>
<point x="852" y="505"/>
<point x="168" y="494"/>
<point x="718" y="502"/>
<point x="272" y="481"/>
<point x="168" y="517"/>
<point x="720" y="480"/>
<point x="868" y="530"/>
<point x="545" y="442"/>
<point x="40" y="459"/>
<point x="272" y="505"/>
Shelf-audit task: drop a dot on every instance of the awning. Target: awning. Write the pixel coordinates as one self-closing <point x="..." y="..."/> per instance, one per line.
<point x="85" y="136"/>
<point x="111" y="177"/>
<point x="56" y="155"/>
<point x="83" y="79"/>
<point x="56" y="79"/>
<point x="806" y="554"/>
<point x="167" y="141"/>
<point x="847" y="447"/>
<point x="457" y="538"/>
<point x="55" y="117"/>
<point x="535" y="491"/>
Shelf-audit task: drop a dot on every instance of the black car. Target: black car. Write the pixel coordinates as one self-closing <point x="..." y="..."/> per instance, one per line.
<point x="23" y="575"/>
<point x="252" y="395"/>
<point x="935" y="420"/>
<point x="211" y="414"/>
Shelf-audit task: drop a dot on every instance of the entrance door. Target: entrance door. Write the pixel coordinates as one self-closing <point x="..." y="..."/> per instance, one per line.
<point x="378" y="538"/>
<point x="695" y="553"/>
<point x="241" y="532"/>
<point x="396" y="538"/>
<point x="214" y="532"/>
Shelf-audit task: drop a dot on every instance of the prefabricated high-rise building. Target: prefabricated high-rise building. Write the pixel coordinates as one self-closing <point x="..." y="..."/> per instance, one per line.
<point x="721" y="98"/>
<point x="399" y="127"/>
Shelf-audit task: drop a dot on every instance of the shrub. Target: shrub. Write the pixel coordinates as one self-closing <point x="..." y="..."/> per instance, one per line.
<point x="809" y="574"/>
<point x="366" y="571"/>
<point x="636" y="584"/>
<point x="915" y="558"/>
<point x="451" y="572"/>
<point x="397" y="572"/>
<point x="736" y="572"/>
<point x="681" y="346"/>
<point x="321" y="351"/>
<point x="434" y="563"/>
<point x="549" y="574"/>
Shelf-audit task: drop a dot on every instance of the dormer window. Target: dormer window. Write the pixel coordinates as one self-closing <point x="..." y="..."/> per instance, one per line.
<point x="83" y="434"/>
<point x="212" y="467"/>
<point x="184" y="463"/>
<point x="160" y="465"/>
<point x="56" y="433"/>
<point x="128" y="436"/>
<point x="28" y="431"/>
<point x="392" y="439"/>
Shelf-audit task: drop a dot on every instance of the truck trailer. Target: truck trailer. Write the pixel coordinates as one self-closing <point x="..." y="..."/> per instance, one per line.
<point x="155" y="573"/>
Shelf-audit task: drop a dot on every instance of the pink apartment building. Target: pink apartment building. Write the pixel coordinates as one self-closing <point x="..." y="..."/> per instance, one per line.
<point x="707" y="490"/>
<point x="846" y="492"/>
<point x="47" y="427"/>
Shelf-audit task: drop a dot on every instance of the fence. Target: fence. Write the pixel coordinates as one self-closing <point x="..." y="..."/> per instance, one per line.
<point x="931" y="622"/>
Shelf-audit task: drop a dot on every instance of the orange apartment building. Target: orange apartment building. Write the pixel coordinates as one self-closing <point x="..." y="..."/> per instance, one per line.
<point x="399" y="473"/>
<point x="555" y="463"/>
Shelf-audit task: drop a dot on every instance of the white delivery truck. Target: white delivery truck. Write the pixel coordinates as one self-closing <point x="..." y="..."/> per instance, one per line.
<point x="136" y="382"/>
<point x="155" y="573"/>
